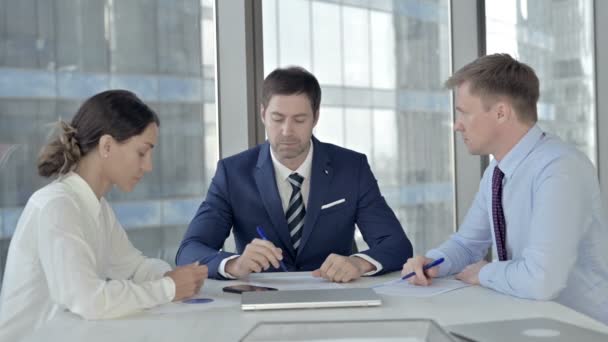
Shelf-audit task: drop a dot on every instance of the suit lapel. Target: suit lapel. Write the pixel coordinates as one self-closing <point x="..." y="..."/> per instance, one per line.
<point x="267" y="187"/>
<point x="321" y="174"/>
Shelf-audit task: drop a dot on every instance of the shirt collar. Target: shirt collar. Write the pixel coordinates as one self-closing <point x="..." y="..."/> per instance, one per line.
<point x="520" y="151"/>
<point x="83" y="190"/>
<point x="283" y="171"/>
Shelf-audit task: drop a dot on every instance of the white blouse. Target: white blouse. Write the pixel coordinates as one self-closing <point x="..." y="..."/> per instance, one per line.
<point x="70" y="252"/>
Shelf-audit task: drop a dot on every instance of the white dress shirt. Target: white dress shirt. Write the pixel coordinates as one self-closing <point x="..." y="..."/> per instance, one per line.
<point x="282" y="173"/>
<point x="556" y="235"/>
<point x="70" y="252"/>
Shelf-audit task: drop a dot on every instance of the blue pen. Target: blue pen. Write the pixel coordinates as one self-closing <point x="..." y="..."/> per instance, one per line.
<point x="263" y="236"/>
<point x="426" y="267"/>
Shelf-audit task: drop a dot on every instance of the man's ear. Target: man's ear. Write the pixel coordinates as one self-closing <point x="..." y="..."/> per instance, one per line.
<point x="262" y="109"/>
<point x="503" y="111"/>
<point x="316" y="119"/>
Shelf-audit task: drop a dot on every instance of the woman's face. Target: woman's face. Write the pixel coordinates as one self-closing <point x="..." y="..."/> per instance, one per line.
<point x="128" y="161"/>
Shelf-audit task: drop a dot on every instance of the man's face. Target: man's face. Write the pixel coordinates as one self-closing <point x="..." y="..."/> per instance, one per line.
<point x="477" y="123"/>
<point x="289" y="121"/>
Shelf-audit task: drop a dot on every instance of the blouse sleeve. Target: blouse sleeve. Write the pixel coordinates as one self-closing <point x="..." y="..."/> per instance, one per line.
<point x="127" y="262"/>
<point x="73" y="272"/>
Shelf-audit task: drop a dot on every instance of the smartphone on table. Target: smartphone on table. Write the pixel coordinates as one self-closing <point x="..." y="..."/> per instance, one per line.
<point x="246" y="288"/>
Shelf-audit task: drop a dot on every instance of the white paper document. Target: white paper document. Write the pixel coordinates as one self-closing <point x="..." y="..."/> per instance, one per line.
<point x="291" y="281"/>
<point x="404" y="288"/>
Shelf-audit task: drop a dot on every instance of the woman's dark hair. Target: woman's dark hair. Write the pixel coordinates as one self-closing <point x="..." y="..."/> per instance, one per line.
<point x="118" y="113"/>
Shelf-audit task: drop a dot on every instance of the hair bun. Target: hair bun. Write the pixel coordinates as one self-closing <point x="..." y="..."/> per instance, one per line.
<point x="67" y="136"/>
<point x="71" y="149"/>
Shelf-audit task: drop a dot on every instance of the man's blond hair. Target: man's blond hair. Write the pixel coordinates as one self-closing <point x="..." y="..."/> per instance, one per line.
<point x="500" y="75"/>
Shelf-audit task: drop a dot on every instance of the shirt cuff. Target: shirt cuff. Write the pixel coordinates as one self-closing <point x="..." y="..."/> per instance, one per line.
<point x="486" y="275"/>
<point x="161" y="269"/>
<point x="371" y="261"/>
<point x="221" y="269"/>
<point x="168" y="288"/>
<point x="446" y="265"/>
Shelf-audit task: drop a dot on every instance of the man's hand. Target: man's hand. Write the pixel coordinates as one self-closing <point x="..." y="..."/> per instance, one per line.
<point x="422" y="277"/>
<point x="188" y="280"/>
<point x="257" y="256"/>
<point x="342" y="269"/>
<point x="470" y="274"/>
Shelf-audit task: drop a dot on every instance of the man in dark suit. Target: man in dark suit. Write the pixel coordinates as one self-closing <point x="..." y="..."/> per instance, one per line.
<point x="305" y="195"/>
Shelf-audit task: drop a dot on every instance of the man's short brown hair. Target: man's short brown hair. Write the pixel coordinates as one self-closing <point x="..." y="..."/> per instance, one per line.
<point x="293" y="80"/>
<point x="498" y="75"/>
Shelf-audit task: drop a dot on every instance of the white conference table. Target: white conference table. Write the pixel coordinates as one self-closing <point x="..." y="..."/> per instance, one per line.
<point x="223" y="320"/>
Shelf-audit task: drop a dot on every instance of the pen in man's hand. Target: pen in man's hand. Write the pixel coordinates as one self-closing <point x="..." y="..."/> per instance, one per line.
<point x="426" y="267"/>
<point x="263" y="236"/>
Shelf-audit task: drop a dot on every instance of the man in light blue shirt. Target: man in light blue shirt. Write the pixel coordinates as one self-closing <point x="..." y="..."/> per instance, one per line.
<point x="538" y="206"/>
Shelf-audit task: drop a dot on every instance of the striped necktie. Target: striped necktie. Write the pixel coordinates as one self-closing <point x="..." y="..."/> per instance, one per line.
<point x="498" y="215"/>
<point x="295" y="210"/>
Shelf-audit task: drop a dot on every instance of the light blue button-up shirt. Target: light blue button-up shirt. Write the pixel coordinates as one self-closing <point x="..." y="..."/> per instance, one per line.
<point x="557" y="233"/>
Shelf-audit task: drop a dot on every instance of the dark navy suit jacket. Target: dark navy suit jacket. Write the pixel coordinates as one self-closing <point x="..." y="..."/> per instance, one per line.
<point x="243" y="194"/>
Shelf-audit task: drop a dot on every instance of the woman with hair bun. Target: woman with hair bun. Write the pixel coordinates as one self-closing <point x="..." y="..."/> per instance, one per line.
<point x="68" y="250"/>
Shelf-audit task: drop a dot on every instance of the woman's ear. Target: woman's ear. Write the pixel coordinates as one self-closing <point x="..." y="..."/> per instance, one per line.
<point x="105" y="145"/>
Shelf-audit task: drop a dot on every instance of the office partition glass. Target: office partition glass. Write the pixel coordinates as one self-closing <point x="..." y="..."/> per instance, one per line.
<point x="556" y="38"/>
<point x="381" y="65"/>
<point x="55" y="54"/>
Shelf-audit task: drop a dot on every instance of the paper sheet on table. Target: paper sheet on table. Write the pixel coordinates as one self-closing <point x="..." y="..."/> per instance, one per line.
<point x="404" y="288"/>
<point x="173" y="308"/>
<point x="291" y="281"/>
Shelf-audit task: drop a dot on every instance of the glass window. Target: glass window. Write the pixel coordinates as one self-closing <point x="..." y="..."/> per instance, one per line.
<point x="327" y="59"/>
<point x="356" y="46"/>
<point x="383" y="50"/>
<point x="330" y="127"/>
<point x="556" y="39"/>
<point x="270" y="32"/>
<point x="358" y="130"/>
<point x="294" y="32"/>
<point x="55" y="54"/>
<point x="385" y="145"/>
<point x="382" y="65"/>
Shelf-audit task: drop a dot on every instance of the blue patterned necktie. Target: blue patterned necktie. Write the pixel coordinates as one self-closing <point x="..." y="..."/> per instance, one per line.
<point x="295" y="210"/>
<point x="498" y="215"/>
